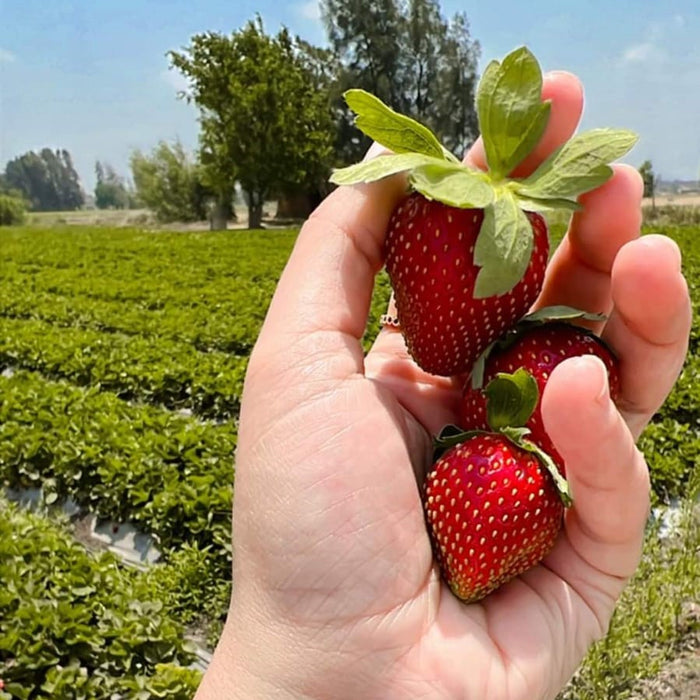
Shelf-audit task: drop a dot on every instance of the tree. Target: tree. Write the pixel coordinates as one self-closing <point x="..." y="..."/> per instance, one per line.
<point x="262" y="118"/>
<point x="650" y="180"/>
<point x="167" y="182"/>
<point x="47" y="180"/>
<point x="412" y="58"/>
<point x="110" y="190"/>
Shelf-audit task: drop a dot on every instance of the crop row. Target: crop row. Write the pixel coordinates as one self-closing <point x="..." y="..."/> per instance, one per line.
<point x="152" y="370"/>
<point x="170" y="475"/>
<point x="225" y="325"/>
<point x="74" y="625"/>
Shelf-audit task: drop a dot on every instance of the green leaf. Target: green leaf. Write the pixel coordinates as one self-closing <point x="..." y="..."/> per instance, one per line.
<point x="547" y="205"/>
<point x="392" y="130"/>
<point x="547" y="462"/>
<point x="579" y="165"/>
<point x="511" y="399"/>
<point x="512" y="116"/>
<point x="503" y="248"/>
<point x="380" y="167"/>
<point x="560" y="313"/>
<point x="450" y="436"/>
<point x="453" y="184"/>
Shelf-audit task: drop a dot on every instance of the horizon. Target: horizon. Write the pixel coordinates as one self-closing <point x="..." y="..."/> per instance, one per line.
<point x="95" y="80"/>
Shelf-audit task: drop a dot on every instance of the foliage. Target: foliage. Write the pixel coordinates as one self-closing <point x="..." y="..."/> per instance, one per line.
<point x="179" y="583"/>
<point x="12" y="210"/>
<point x="80" y="626"/>
<point x="168" y="474"/>
<point x="207" y="290"/>
<point x="168" y="182"/>
<point x="46" y="179"/>
<point x="110" y="190"/>
<point x="672" y="215"/>
<point x="262" y="116"/>
<point x="152" y="370"/>
<point x="649" y="178"/>
<point x="412" y="58"/>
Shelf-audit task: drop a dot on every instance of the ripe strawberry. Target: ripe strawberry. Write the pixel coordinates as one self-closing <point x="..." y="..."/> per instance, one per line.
<point x="465" y="252"/>
<point x="430" y="260"/>
<point x="493" y="512"/>
<point x="538" y="349"/>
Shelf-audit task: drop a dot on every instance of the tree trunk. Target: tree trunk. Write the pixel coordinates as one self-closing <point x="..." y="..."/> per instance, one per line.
<point x="255" y="212"/>
<point x="295" y="206"/>
<point x="218" y="219"/>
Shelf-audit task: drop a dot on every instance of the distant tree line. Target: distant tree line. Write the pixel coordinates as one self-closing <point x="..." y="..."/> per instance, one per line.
<point x="273" y="121"/>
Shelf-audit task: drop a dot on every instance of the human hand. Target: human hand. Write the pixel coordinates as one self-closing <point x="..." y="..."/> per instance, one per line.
<point x="335" y="590"/>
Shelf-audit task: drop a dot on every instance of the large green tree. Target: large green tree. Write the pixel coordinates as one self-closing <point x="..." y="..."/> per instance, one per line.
<point x="410" y="56"/>
<point x="167" y="181"/>
<point x="110" y="190"/>
<point x="264" y="122"/>
<point x="47" y="180"/>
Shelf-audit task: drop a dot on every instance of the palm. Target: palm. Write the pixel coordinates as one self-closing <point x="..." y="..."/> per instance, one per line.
<point x="361" y="565"/>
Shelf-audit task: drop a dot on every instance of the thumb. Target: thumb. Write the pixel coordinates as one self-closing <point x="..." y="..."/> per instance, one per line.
<point x="607" y="474"/>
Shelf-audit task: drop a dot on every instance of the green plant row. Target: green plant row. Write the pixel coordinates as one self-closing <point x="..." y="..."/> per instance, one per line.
<point x="210" y="290"/>
<point x="152" y="370"/>
<point x="229" y="325"/>
<point x="214" y="304"/>
<point x="75" y="625"/>
<point x="171" y="476"/>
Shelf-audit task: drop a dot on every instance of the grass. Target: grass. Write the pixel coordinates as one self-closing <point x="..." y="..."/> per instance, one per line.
<point x="649" y="626"/>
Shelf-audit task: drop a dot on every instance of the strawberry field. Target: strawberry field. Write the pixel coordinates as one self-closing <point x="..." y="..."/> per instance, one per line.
<point x="122" y="357"/>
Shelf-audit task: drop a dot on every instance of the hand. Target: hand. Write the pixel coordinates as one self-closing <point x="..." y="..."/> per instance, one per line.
<point x="335" y="590"/>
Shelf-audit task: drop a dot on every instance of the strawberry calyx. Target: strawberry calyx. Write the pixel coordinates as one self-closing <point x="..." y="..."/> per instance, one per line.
<point x="547" y="314"/>
<point x="510" y="402"/>
<point x="512" y="120"/>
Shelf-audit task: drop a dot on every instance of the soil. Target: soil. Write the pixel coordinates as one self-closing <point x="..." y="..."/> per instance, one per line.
<point x="690" y="200"/>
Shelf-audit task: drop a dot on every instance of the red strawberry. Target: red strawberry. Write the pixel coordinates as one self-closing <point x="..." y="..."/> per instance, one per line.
<point x="538" y="350"/>
<point x="464" y="252"/>
<point x="430" y="261"/>
<point x="493" y="512"/>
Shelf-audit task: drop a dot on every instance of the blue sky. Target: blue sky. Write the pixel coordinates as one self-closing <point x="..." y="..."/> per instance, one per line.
<point x="92" y="76"/>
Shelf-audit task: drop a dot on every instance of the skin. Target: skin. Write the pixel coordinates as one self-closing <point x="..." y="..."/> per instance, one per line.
<point x="336" y="594"/>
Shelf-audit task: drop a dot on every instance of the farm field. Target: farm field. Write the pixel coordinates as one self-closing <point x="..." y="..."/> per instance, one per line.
<point x="122" y="358"/>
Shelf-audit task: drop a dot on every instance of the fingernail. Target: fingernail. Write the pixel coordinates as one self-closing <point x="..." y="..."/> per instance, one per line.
<point x="663" y="245"/>
<point x="603" y="393"/>
<point x="596" y="375"/>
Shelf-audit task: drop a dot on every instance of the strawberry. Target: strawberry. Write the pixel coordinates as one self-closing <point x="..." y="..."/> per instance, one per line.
<point x="493" y="501"/>
<point x="493" y="512"/>
<point x="466" y="250"/>
<point x="538" y="349"/>
<point x="430" y="260"/>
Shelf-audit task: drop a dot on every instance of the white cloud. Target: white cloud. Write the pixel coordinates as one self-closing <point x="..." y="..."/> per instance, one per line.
<point x="310" y="10"/>
<point x="639" y="53"/>
<point x="7" y="56"/>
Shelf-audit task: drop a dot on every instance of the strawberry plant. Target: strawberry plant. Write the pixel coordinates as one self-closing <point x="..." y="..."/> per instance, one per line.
<point x="466" y="250"/>
<point x="77" y="625"/>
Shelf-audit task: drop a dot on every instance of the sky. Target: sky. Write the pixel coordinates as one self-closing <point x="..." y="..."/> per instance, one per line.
<point x="92" y="76"/>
